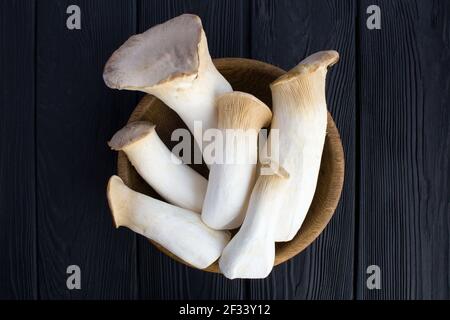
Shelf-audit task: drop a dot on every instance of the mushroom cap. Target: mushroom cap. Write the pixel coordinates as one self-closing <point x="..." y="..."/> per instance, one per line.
<point x="163" y="52"/>
<point x="114" y="194"/>
<point x="130" y="134"/>
<point x="240" y="110"/>
<point x="310" y="64"/>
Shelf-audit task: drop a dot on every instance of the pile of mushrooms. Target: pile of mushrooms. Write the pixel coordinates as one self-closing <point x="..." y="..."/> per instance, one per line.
<point x="171" y="61"/>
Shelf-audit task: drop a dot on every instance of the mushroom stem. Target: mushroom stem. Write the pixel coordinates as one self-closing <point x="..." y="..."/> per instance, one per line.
<point x="300" y="115"/>
<point x="174" y="181"/>
<point x="232" y="176"/>
<point x="178" y="230"/>
<point x="251" y="252"/>
<point x="172" y="62"/>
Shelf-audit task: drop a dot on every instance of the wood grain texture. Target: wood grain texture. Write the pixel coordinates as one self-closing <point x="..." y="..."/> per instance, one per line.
<point x="53" y="141"/>
<point x="283" y="33"/>
<point x="226" y="26"/>
<point x="405" y="148"/>
<point x="18" y="275"/>
<point x="76" y="115"/>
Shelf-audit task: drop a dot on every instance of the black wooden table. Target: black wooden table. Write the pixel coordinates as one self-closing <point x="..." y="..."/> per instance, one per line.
<point x="389" y="95"/>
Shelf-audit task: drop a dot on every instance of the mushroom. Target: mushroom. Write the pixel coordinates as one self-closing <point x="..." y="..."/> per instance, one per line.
<point x="232" y="176"/>
<point x="300" y="115"/>
<point x="161" y="169"/>
<point x="178" y="230"/>
<point x="251" y="252"/>
<point x="171" y="61"/>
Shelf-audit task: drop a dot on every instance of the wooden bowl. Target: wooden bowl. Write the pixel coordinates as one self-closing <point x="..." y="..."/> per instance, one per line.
<point x="253" y="77"/>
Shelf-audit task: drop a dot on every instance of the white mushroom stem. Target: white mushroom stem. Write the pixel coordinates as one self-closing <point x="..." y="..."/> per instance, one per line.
<point x="251" y="252"/>
<point x="300" y="115"/>
<point x="178" y="230"/>
<point x="232" y="175"/>
<point x="172" y="62"/>
<point x="162" y="170"/>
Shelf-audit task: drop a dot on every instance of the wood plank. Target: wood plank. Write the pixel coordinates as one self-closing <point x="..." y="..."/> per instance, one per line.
<point x="18" y="273"/>
<point x="76" y="115"/>
<point x="283" y="33"/>
<point x="226" y="26"/>
<point x="405" y="147"/>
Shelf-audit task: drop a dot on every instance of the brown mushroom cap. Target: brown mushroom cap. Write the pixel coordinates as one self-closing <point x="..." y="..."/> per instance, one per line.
<point x="309" y="65"/>
<point x="130" y="134"/>
<point x="163" y="52"/>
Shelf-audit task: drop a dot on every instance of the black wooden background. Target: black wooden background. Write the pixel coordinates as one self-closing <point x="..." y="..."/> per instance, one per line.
<point x="389" y="95"/>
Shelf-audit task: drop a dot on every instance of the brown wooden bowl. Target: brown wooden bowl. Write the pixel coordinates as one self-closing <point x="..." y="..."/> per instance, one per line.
<point x="253" y="77"/>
